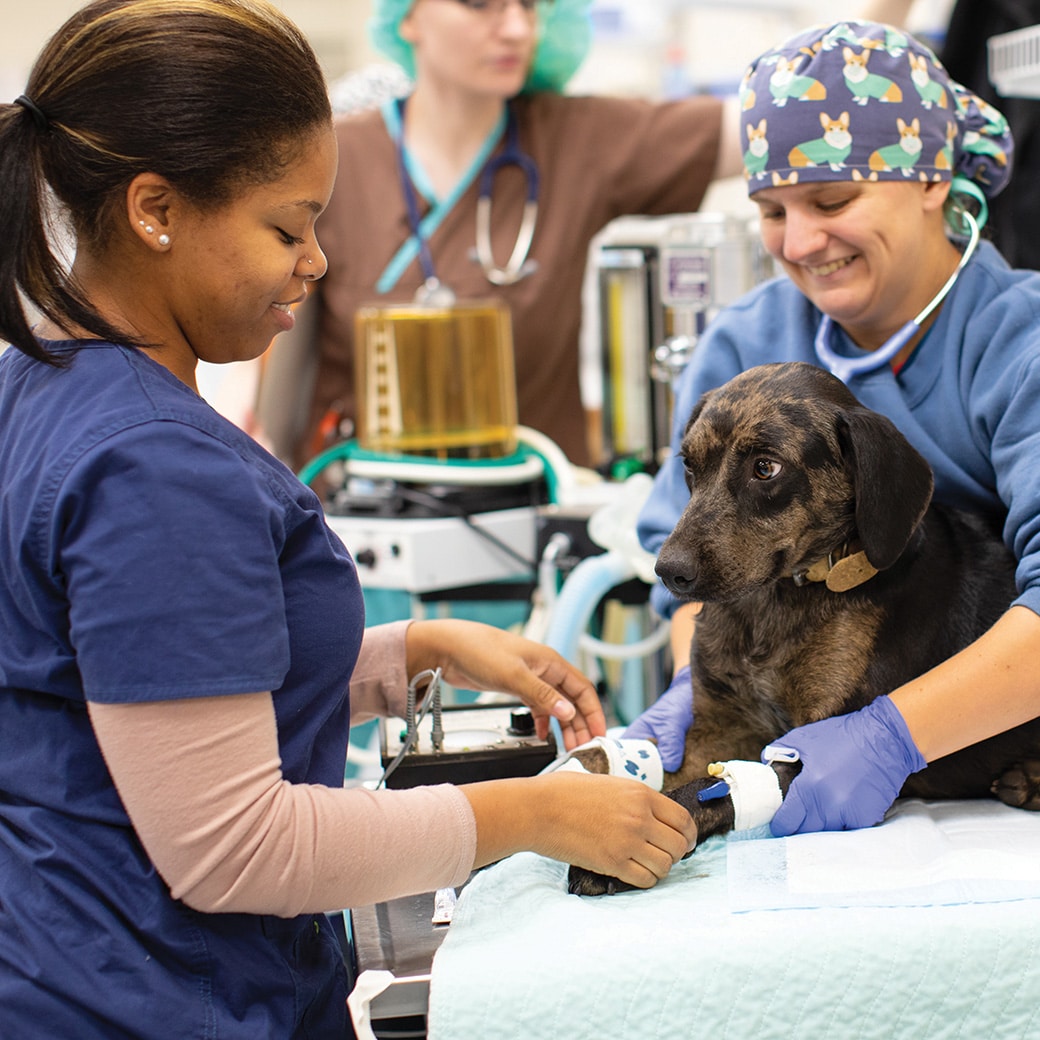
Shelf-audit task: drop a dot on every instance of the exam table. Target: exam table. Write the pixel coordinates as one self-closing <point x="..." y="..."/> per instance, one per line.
<point x="927" y="926"/>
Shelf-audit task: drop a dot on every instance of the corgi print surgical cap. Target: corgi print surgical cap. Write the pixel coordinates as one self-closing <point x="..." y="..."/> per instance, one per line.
<point x="864" y="101"/>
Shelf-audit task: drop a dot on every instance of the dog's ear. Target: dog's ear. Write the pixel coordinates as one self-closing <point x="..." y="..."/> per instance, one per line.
<point x="892" y="481"/>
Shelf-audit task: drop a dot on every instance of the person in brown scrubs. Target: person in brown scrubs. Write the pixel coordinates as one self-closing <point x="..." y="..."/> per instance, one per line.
<point x="488" y="77"/>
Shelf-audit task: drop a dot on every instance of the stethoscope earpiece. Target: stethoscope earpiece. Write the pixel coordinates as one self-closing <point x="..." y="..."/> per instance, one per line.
<point x="960" y="187"/>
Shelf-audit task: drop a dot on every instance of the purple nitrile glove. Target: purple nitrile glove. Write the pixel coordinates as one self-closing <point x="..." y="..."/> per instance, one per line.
<point x="853" y="767"/>
<point x="667" y="720"/>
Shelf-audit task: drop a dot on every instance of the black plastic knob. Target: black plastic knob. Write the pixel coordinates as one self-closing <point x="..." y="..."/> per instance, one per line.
<point x="521" y="723"/>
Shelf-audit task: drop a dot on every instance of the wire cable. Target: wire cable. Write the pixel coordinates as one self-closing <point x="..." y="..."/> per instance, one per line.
<point x="431" y="701"/>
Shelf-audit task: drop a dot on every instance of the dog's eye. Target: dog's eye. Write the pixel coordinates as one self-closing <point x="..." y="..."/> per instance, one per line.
<point x="766" y="469"/>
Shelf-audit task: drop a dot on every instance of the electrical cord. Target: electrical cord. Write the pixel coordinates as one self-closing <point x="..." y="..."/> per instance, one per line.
<point x="446" y="509"/>
<point x="431" y="701"/>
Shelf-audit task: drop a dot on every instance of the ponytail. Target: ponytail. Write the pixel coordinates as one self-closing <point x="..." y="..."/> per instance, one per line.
<point x="216" y="96"/>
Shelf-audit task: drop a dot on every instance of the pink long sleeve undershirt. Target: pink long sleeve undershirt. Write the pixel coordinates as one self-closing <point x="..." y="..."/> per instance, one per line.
<point x="201" y="781"/>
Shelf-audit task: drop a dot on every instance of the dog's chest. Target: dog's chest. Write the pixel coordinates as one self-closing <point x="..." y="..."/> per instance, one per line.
<point x="788" y="666"/>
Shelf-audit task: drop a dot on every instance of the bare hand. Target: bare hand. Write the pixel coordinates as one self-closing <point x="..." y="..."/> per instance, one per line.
<point x="480" y="657"/>
<point x="607" y="824"/>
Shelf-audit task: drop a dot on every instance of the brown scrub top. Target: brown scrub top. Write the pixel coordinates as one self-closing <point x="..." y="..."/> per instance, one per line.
<point x="598" y="158"/>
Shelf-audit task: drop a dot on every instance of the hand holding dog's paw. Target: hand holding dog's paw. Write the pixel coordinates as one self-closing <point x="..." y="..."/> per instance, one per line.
<point x="615" y="828"/>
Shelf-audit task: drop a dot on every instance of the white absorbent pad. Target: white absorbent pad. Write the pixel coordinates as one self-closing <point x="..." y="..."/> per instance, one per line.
<point x="524" y="960"/>
<point x="925" y="854"/>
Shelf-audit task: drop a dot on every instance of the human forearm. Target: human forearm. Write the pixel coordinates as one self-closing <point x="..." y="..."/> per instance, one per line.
<point x="479" y="657"/>
<point x="202" y="784"/>
<point x="379" y="683"/>
<point x="855" y="765"/>
<point x="987" y="688"/>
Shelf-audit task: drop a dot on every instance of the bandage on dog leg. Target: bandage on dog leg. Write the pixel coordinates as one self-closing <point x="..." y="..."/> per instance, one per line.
<point x="632" y="758"/>
<point x="755" y="790"/>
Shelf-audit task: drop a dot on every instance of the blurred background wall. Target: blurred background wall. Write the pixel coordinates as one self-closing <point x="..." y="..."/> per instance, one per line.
<point x="646" y="47"/>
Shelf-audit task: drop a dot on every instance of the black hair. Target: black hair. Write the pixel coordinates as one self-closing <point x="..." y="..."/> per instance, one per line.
<point x="216" y="96"/>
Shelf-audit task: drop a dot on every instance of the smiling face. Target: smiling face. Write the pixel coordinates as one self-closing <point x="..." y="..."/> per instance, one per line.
<point x="870" y="255"/>
<point x="484" y="51"/>
<point x="231" y="273"/>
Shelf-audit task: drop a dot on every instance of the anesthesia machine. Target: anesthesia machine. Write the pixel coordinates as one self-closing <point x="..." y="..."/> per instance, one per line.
<point x="658" y="281"/>
<point x="443" y="498"/>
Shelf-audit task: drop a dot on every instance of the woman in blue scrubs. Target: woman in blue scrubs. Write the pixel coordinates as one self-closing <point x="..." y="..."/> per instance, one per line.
<point x="866" y="161"/>
<point x="183" y="643"/>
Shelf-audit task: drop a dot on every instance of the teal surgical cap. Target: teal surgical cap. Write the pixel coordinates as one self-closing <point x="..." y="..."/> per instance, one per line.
<point x="564" y="36"/>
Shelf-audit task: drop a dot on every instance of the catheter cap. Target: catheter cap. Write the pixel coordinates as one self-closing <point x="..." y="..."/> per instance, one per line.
<point x="564" y="37"/>
<point x="865" y="101"/>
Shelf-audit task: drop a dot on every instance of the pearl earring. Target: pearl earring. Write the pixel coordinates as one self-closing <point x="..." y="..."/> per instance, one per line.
<point x="147" y="227"/>
<point x="164" y="240"/>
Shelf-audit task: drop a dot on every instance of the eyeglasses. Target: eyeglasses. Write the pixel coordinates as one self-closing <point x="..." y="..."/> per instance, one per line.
<point x="499" y="7"/>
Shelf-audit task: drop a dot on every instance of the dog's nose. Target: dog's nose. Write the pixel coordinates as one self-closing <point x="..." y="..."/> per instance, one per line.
<point x="678" y="575"/>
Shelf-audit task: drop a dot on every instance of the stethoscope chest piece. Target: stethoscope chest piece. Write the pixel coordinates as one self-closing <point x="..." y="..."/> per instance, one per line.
<point x="518" y="266"/>
<point x="434" y="293"/>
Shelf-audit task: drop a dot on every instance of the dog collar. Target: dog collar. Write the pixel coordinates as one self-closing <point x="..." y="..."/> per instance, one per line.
<point x="838" y="571"/>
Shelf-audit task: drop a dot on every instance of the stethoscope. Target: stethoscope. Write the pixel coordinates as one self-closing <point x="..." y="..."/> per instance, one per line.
<point x="517" y="266"/>
<point x="844" y="367"/>
<point x="433" y="291"/>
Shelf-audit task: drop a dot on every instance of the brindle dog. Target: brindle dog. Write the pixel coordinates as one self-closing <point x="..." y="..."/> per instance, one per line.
<point x="827" y="578"/>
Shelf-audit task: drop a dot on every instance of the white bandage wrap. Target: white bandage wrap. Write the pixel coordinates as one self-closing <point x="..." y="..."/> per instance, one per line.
<point x="755" y="791"/>
<point x="636" y="759"/>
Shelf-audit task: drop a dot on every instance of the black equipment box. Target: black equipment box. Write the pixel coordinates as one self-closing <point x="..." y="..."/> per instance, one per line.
<point x="479" y="742"/>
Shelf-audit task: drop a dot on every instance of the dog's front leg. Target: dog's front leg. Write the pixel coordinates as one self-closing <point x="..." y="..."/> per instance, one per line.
<point x="713" y="810"/>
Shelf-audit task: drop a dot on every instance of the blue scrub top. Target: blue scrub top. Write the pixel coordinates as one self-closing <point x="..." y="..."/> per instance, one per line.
<point x="151" y="550"/>
<point x="968" y="399"/>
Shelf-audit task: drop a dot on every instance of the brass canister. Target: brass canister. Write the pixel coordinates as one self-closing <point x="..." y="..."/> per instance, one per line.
<point x="436" y="381"/>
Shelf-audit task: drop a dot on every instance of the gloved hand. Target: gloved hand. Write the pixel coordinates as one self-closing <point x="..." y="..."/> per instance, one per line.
<point x="667" y="720"/>
<point x="853" y="767"/>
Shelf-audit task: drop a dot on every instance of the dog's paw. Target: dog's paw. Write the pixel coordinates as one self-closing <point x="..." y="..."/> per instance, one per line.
<point x="582" y="882"/>
<point x="593" y="759"/>
<point x="1019" y="786"/>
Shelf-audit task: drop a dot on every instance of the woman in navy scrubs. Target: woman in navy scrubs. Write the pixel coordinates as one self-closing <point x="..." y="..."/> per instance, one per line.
<point x="183" y="643"/>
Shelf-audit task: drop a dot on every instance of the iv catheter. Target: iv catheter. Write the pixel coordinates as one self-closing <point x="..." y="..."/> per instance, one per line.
<point x="847" y="367"/>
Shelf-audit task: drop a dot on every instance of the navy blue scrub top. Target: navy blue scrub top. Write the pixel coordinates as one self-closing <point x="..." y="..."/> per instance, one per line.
<point x="150" y="550"/>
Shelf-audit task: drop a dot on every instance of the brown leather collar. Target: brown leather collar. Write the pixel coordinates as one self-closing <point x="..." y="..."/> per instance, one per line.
<point x="840" y="571"/>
